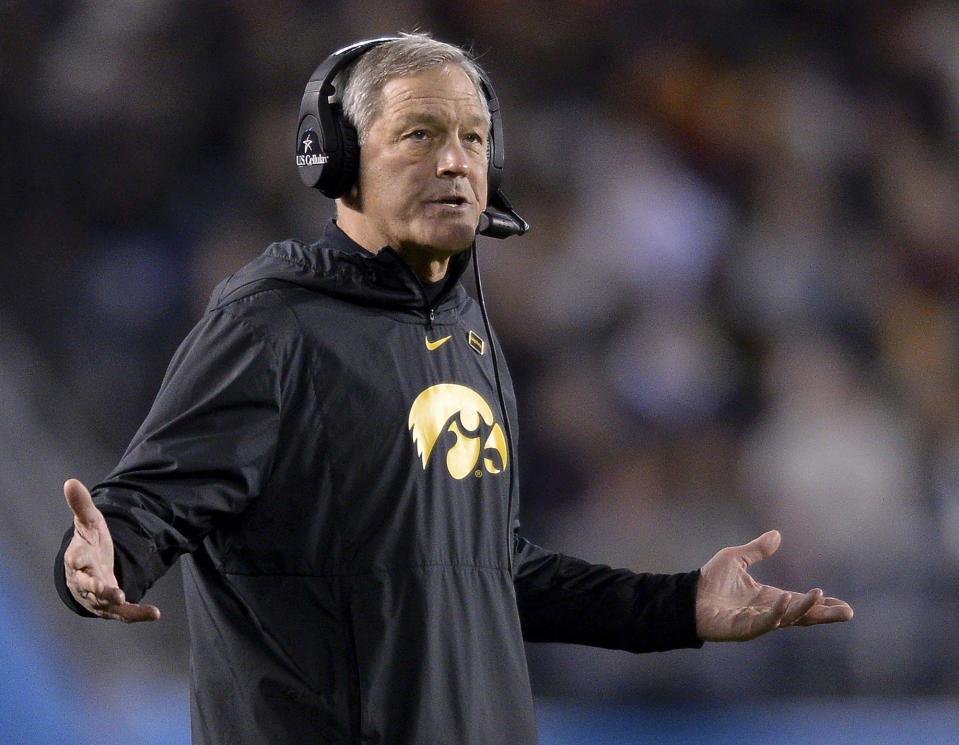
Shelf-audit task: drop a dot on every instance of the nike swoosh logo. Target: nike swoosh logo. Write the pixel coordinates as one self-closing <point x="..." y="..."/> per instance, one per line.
<point x="433" y="345"/>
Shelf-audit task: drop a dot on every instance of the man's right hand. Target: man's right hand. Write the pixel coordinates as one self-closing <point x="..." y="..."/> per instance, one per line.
<point x="88" y="561"/>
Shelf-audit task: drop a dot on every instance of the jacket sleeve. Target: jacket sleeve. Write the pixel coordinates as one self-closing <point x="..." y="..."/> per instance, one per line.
<point x="564" y="599"/>
<point x="201" y="456"/>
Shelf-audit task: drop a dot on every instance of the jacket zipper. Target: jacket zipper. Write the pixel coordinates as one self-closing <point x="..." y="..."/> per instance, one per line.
<point x="510" y="539"/>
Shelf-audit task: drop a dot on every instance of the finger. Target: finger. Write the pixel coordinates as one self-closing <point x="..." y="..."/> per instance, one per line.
<point x="111" y="603"/>
<point x="127" y="612"/>
<point x="86" y="584"/>
<point x="81" y="503"/>
<point x="780" y="608"/>
<point x="135" y="613"/>
<point x="84" y="573"/>
<point x="836" y="602"/>
<point x="94" y="594"/>
<point x="760" y="548"/>
<point x="82" y="563"/>
<point x="768" y="620"/>
<point x="828" y="610"/>
<point x="798" y="608"/>
<point x="110" y="597"/>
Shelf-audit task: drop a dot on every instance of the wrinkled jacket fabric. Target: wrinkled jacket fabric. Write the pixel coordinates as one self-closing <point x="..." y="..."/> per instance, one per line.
<point x="345" y="501"/>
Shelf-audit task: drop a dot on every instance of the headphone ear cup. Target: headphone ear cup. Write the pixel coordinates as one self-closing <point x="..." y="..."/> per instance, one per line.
<point x="346" y="163"/>
<point x="310" y="160"/>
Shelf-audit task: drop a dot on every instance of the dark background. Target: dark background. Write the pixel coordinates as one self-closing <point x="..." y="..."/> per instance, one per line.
<point x="736" y="310"/>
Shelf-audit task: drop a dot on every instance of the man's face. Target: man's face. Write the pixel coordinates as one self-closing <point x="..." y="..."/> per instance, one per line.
<point x="422" y="173"/>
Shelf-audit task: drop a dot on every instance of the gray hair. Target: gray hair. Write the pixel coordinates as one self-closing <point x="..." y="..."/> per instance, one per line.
<point x="408" y="55"/>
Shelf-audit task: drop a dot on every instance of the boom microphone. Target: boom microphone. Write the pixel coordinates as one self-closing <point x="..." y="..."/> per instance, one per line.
<point x="500" y="220"/>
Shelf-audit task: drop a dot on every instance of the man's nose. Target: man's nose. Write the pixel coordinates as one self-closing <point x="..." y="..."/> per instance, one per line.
<point x="452" y="159"/>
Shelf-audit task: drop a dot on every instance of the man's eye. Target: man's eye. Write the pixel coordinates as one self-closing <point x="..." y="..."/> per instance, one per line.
<point x="419" y="134"/>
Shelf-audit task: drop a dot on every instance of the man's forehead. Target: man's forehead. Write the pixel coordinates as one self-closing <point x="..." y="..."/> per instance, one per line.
<point x="434" y="88"/>
<point x="422" y="112"/>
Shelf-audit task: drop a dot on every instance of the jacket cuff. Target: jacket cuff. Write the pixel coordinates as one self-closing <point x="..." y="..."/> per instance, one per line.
<point x="666" y="616"/>
<point x="134" y="553"/>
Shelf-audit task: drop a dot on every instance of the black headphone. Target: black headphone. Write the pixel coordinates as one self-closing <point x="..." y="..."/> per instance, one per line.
<point x="328" y="151"/>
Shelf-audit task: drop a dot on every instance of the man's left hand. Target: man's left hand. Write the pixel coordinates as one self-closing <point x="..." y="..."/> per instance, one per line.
<point x="732" y="606"/>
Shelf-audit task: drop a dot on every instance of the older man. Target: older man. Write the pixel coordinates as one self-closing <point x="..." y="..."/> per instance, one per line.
<point x="331" y="450"/>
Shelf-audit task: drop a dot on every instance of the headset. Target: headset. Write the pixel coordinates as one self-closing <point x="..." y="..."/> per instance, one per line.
<point x="328" y="151"/>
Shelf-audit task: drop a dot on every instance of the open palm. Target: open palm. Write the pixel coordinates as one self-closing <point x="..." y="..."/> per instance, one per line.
<point x="732" y="606"/>
<point x="88" y="562"/>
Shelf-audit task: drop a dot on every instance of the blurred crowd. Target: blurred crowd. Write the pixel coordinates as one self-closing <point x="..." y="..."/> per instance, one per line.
<point x="736" y="308"/>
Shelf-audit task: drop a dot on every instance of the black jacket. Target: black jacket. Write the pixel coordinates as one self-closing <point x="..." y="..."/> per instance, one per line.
<point x="330" y="452"/>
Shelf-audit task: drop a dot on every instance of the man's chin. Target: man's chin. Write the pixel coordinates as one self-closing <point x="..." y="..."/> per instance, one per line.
<point x="450" y="240"/>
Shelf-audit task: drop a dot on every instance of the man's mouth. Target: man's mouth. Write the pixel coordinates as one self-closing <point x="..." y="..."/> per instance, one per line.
<point x="453" y="201"/>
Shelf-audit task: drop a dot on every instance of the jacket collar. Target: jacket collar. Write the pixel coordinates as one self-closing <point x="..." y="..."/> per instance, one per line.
<point x="388" y="270"/>
<point x="338" y="266"/>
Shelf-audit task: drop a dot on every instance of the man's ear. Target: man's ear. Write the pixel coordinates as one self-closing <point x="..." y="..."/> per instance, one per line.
<point x="352" y="198"/>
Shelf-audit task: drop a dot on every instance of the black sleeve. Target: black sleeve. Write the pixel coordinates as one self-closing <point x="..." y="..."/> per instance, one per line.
<point x="564" y="599"/>
<point x="202" y="454"/>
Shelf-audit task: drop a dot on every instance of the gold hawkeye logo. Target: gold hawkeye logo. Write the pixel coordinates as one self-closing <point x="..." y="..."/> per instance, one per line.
<point x="462" y="412"/>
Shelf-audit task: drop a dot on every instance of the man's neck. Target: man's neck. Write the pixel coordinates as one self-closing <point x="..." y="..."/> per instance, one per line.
<point x="425" y="263"/>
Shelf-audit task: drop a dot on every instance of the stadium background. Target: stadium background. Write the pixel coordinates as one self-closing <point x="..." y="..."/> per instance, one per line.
<point x="736" y="310"/>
